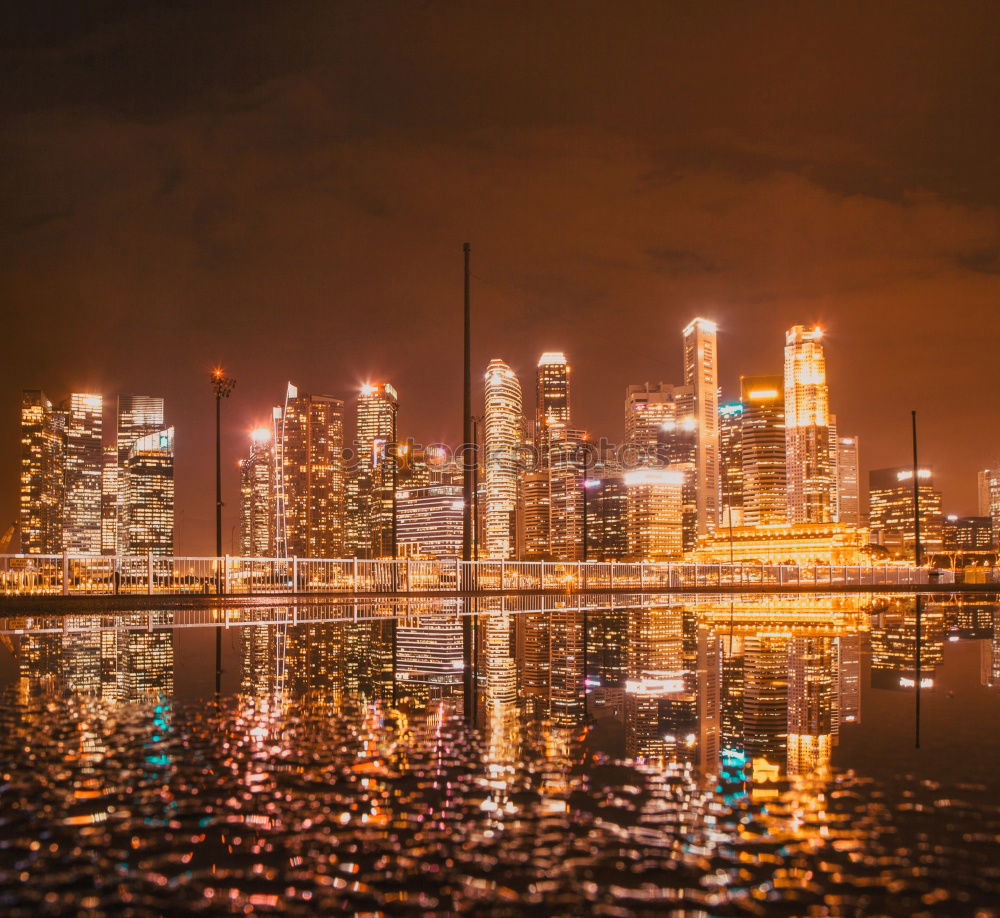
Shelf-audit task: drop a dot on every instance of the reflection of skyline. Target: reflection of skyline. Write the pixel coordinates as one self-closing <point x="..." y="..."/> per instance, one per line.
<point x="775" y="681"/>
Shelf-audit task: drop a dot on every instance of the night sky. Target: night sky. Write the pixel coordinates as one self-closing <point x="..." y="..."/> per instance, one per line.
<point x="284" y="188"/>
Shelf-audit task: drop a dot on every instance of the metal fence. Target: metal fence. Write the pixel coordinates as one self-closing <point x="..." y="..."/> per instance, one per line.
<point x="105" y="575"/>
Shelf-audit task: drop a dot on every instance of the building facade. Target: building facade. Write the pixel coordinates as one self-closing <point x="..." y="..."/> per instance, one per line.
<point x="701" y="373"/>
<point x="891" y="518"/>
<point x="504" y="435"/>
<point x="765" y="481"/>
<point x="149" y="494"/>
<point x="258" y="513"/>
<point x="83" y="460"/>
<point x="41" y="486"/>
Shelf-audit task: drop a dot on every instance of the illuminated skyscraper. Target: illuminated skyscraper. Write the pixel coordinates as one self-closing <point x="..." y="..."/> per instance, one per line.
<point x="565" y="467"/>
<point x="535" y="499"/>
<point x="109" y="499"/>
<point x="552" y="399"/>
<point x="647" y="409"/>
<point x="890" y="494"/>
<point x="653" y="513"/>
<point x="504" y="434"/>
<point x="607" y="517"/>
<point x="429" y="521"/>
<point x="310" y="486"/>
<point x="765" y="498"/>
<point x="989" y="499"/>
<point x="701" y="373"/>
<point x="848" y="478"/>
<point x="149" y="494"/>
<point x="765" y="697"/>
<point x="82" y="465"/>
<point x="258" y="512"/>
<point x="812" y="696"/>
<point x="41" y="492"/>
<point x="373" y="476"/>
<point x="679" y="452"/>
<point x="811" y="481"/>
<point x="731" y="464"/>
<point x="137" y="417"/>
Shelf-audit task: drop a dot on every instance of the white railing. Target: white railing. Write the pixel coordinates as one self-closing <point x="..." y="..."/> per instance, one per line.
<point x="82" y="575"/>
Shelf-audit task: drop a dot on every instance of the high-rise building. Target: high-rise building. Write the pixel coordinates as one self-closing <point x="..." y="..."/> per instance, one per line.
<point x="679" y="450"/>
<point x="41" y="491"/>
<point x="258" y="513"/>
<point x="731" y="464"/>
<point x="310" y="467"/>
<point x="765" y="497"/>
<point x="109" y="499"/>
<point x="989" y="499"/>
<point x="552" y="400"/>
<point x="607" y="517"/>
<point x="504" y="434"/>
<point x="653" y="513"/>
<point x="138" y="416"/>
<point x="647" y="409"/>
<point x="848" y="481"/>
<point x="429" y="521"/>
<point x="811" y="480"/>
<point x="567" y="458"/>
<point x="701" y="373"/>
<point x="83" y="456"/>
<point x="891" y="511"/>
<point x="535" y="513"/>
<point x="374" y="474"/>
<point x="765" y="696"/>
<point x="149" y="494"/>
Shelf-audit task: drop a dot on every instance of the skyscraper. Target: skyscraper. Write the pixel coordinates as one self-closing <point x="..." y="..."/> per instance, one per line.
<point x="258" y="513"/>
<point x="891" y="512"/>
<point x="429" y="521"/>
<point x="552" y="399"/>
<point x="535" y="500"/>
<point x="82" y="468"/>
<point x="731" y="464"/>
<point x="374" y="474"/>
<point x="811" y="480"/>
<point x="137" y="417"/>
<point x="310" y="492"/>
<point x="41" y="491"/>
<point x="149" y="494"/>
<point x="653" y="514"/>
<point x="989" y="499"/>
<point x="504" y="423"/>
<point x="701" y="373"/>
<point x="848" y="489"/>
<point x="648" y="407"/>
<point x="765" y="498"/>
<point x="109" y="499"/>
<point x="566" y="462"/>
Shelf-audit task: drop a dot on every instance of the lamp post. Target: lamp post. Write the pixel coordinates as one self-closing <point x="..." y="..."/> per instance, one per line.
<point x="223" y="387"/>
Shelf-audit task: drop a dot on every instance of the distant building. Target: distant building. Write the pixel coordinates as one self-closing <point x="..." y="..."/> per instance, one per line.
<point x="83" y="459"/>
<point x="567" y="449"/>
<point x="607" y="519"/>
<point x="785" y="543"/>
<point x="966" y="535"/>
<point x="648" y="407"/>
<point x="504" y="435"/>
<point x="149" y="494"/>
<point x="138" y="416"/>
<point x="429" y="522"/>
<point x="731" y="463"/>
<point x="890" y="493"/>
<point x="371" y="481"/>
<point x="552" y="399"/>
<point x="989" y="499"/>
<point x="701" y="373"/>
<point x="848" y="481"/>
<point x="811" y="480"/>
<point x="258" y="513"/>
<point x="535" y="501"/>
<point x="765" y="480"/>
<point x="653" y="513"/>
<point x="310" y="467"/>
<point x="41" y="488"/>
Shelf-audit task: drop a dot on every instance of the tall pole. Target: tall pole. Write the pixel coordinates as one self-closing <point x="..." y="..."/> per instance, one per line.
<point x="223" y="387"/>
<point x="916" y="550"/>
<point x="467" y="492"/>
<point x="586" y="469"/>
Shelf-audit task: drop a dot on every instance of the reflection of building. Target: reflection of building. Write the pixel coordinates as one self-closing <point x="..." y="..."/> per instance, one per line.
<point x="701" y="373"/>
<point x="765" y="697"/>
<point x="429" y="522"/>
<point x="504" y="433"/>
<point x="765" y="483"/>
<point x="83" y="455"/>
<point x="894" y="644"/>
<point x="807" y="543"/>
<point x="731" y="463"/>
<point x="812" y="696"/>
<point x="811" y="481"/>
<point x="653" y="513"/>
<point x="429" y="654"/>
<point x="257" y="498"/>
<point x="310" y="444"/>
<point x="891" y="511"/>
<point x="149" y="494"/>
<point x="41" y="496"/>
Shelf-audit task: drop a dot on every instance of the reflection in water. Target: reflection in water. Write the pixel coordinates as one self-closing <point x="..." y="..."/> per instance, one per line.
<point x="673" y="751"/>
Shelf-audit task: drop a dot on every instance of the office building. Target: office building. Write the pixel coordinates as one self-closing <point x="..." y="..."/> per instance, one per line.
<point x="890" y="494"/>
<point x="137" y="416"/>
<point x="848" y="481"/>
<point x="811" y="480"/>
<point x="149" y="494"/>
<point x="504" y="436"/>
<point x="647" y="408"/>
<point x="765" y="482"/>
<point x="83" y="458"/>
<point x="374" y="475"/>
<point x="310" y="487"/>
<point x="731" y="464"/>
<point x="653" y="513"/>
<point x="535" y="514"/>
<point x="552" y="400"/>
<point x="566" y="462"/>
<point x="701" y="373"/>
<point x="429" y="522"/>
<point x="41" y="485"/>
<point x="258" y="513"/>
